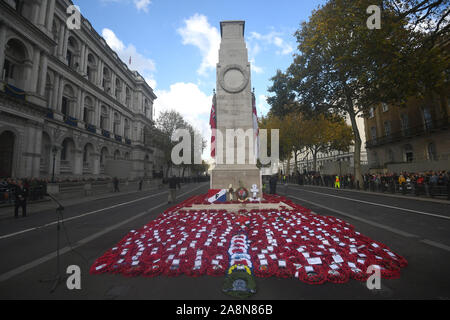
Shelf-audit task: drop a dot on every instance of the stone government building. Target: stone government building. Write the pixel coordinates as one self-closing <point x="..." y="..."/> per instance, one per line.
<point x="412" y="138"/>
<point x="65" y="94"/>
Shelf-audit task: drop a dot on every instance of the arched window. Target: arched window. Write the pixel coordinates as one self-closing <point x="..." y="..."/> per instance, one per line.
<point x="106" y="79"/>
<point x="68" y="99"/>
<point x="116" y="128"/>
<point x="91" y="67"/>
<point x="103" y="156"/>
<point x="118" y="89"/>
<point x="117" y="155"/>
<point x="72" y="51"/>
<point x="15" y="63"/>
<point x="104" y="118"/>
<point x="128" y="97"/>
<point x="88" y="110"/>
<point x="127" y="129"/>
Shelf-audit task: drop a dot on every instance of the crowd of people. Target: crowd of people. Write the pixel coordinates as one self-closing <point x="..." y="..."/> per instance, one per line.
<point x="430" y="183"/>
<point x="36" y="189"/>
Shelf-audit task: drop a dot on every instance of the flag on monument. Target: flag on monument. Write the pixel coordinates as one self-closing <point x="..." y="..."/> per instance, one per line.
<point x="213" y="124"/>
<point x="217" y="195"/>
<point x="255" y="129"/>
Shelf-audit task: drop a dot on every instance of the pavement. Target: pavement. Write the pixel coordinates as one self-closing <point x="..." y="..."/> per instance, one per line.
<point x="415" y="229"/>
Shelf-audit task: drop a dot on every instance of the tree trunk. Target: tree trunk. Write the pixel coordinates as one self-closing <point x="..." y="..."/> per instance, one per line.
<point x="288" y="167"/>
<point x="314" y="152"/>
<point x="358" y="142"/>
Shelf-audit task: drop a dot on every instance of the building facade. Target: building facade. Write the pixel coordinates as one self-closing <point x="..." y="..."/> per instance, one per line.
<point x="411" y="138"/>
<point x="68" y="104"/>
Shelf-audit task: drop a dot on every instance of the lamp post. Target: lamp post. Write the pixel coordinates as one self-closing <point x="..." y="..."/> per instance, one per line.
<point x="54" y="152"/>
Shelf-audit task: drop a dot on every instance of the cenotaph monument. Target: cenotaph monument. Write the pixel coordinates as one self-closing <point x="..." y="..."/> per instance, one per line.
<point x="234" y="111"/>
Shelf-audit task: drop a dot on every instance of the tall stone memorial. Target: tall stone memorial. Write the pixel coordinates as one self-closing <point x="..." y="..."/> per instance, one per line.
<point x="234" y="111"/>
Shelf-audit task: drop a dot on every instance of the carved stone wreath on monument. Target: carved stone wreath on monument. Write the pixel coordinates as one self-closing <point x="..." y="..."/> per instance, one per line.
<point x="233" y="78"/>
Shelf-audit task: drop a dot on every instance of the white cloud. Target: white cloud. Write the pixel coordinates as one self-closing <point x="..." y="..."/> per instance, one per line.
<point x="142" y="5"/>
<point x="198" y="32"/>
<point x="192" y="103"/>
<point x="273" y="38"/>
<point x="261" y="105"/>
<point x="145" y="66"/>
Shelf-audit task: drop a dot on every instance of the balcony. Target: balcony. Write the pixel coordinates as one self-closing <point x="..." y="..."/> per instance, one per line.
<point x="428" y="128"/>
<point x="71" y="121"/>
<point x="50" y="114"/>
<point x="14" y="92"/>
<point x="127" y="141"/>
<point x="118" y="138"/>
<point x="106" y="133"/>
<point x="90" y="128"/>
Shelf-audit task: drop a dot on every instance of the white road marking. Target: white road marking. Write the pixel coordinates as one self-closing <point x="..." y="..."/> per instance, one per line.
<point x="77" y="217"/>
<point x="380" y="205"/>
<point x="375" y="224"/>
<point x="436" y="244"/>
<point x="8" y="275"/>
<point x="378" y="225"/>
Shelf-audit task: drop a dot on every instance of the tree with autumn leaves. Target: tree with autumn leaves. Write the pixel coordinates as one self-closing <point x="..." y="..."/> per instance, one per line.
<point x="300" y="134"/>
<point x="343" y="68"/>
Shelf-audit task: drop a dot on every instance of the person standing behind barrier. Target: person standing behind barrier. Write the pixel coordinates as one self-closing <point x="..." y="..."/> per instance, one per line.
<point x="21" y="195"/>
<point x="337" y="183"/>
<point x="402" y="183"/>
<point x="116" y="184"/>
<point x="173" y="184"/>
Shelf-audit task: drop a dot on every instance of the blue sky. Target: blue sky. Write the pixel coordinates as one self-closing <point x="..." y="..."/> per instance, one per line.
<point x="174" y="44"/>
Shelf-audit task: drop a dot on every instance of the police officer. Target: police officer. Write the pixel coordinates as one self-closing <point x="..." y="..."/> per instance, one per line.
<point x="21" y="195"/>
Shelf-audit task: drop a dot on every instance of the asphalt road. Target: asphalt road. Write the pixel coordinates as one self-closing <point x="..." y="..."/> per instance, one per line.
<point x="417" y="230"/>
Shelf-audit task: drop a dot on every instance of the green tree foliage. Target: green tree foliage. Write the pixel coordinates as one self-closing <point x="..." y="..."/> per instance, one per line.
<point x="345" y="68"/>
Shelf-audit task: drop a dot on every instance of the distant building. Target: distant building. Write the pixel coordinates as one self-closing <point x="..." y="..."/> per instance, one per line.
<point x="65" y="94"/>
<point x="411" y="138"/>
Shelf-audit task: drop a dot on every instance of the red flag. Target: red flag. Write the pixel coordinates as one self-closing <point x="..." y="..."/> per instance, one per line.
<point x="213" y="124"/>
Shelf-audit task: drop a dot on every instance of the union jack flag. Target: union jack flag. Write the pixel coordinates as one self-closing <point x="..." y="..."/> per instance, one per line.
<point x="213" y="124"/>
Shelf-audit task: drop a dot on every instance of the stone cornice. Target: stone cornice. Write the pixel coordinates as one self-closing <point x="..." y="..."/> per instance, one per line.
<point x="32" y="34"/>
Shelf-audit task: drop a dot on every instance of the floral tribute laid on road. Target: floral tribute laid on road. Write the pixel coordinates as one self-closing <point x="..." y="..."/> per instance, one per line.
<point x="287" y="242"/>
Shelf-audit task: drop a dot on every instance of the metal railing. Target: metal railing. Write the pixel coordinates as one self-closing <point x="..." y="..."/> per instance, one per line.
<point x="428" y="127"/>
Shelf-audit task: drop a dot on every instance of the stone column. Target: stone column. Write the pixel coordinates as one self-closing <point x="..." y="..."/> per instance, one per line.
<point x="42" y="14"/>
<point x="43" y="74"/>
<point x="62" y="35"/>
<point x="82" y="60"/>
<point x="50" y="15"/>
<point x="33" y="81"/>
<point x="60" y="94"/>
<point x="100" y="73"/>
<point x="78" y="162"/>
<point x="95" y="163"/>
<point x="81" y="95"/>
<point x="55" y="93"/>
<point x="2" y="47"/>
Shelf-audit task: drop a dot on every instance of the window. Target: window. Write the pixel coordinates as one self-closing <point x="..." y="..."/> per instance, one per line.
<point x="65" y="106"/>
<point x="373" y="133"/>
<point x="428" y="119"/>
<point x="69" y="58"/>
<point x="387" y="128"/>
<point x="409" y="154"/>
<point x="385" y="107"/>
<point x="371" y="113"/>
<point x="8" y="70"/>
